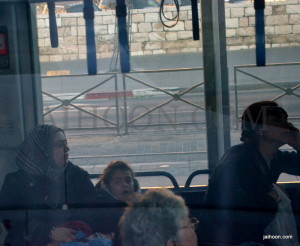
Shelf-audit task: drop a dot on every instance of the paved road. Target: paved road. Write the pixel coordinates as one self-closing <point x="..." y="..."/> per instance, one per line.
<point x="173" y="61"/>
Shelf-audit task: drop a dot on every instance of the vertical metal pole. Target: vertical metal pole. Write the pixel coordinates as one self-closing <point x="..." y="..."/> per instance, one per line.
<point x="125" y="104"/>
<point x="117" y="105"/>
<point x="215" y="79"/>
<point x="236" y="99"/>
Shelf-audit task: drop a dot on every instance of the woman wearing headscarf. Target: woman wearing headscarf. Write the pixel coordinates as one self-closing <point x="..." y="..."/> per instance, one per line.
<point x="41" y="193"/>
<point x="243" y="203"/>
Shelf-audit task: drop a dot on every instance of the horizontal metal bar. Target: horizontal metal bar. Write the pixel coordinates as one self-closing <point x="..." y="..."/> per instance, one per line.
<point x="77" y="75"/>
<point x="136" y="155"/>
<point x="167" y="70"/>
<point x="268" y="65"/>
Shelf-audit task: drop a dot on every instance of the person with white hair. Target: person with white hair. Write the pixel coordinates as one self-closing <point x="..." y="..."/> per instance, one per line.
<point x="158" y="218"/>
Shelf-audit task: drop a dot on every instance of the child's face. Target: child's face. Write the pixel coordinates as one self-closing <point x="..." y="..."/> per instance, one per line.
<point x="121" y="185"/>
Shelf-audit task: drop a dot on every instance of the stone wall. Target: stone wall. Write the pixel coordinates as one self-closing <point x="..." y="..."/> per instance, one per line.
<point x="149" y="37"/>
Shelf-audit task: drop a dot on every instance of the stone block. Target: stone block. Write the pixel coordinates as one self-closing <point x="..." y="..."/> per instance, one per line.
<point x="293" y="9"/>
<point x="69" y="21"/>
<point x="251" y="21"/>
<point x="44" y="58"/>
<point x="234" y="41"/>
<point x="82" y="49"/>
<point x="43" y="33"/>
<point x="275" y="20"/>
<point x="144" y="27"/>
<point x="81" y="31"/>
<point x="151" y="17"/>
<point x="109" y="20"/>
<point x="249" y="11"/>
<point x="153" y="45"/>
<point x="185" y="35"/>
<point x="174" y="45"/>
<point x="73" y="31"/>
<point x="283" y="29"/>
<point x="41" y="23"/>
<point x="227" y="13"/>
<point x="105" y="55"/>
<point x="268" y="10"/>
<point x="64" y="31"/>
<point x="294" y="19"/>
<point x="243" y="21"/>
<point x="269" y="29"/>
<point x="173" y="51"/>
<point x="100" y="30"/>
<point x="58" y="22"/>
<point x="157" y="27"/>
<point x="112" y="29"/>
<point x="138" y="18"/>
<point x="192" y="44"/>
<point x="230" y="33"/>
<point x="158" y="52"/>
<point x="41" y="42"/>
<point x="294" y="38"/>
<point x="70" y="40"/>
<point x="179" y="27"/>
<point x="81" y="40"/>
<point x="70" y="57"/>
<point x="137" y="53"/>
<point x="81" y="21"/>
<point x="279" y="10"/>
<point x="296" y="28"/>
<point x="183" y="15"/>
<point x="48" y="42"/>
<point x="98" y="21"/>
<point x="135" y="47"/>
<point x="279" y="39"/>
<point x="161" y="36"/>
<point x="188" y="25"/>
<point x="189" y="50"/>
<point x="82" y="56"/>
<point x="148" y="52"/>
<point x="245" y="31"/>
<point x="56" y="58"/>
<point x="237" y="12"/>
<point x="139" y="37"/>
<point x="171" y="36"/>
<point x="232" y="23"/>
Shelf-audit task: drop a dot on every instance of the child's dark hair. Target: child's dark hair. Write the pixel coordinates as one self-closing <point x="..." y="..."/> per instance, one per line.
<point x="110" y="169"/>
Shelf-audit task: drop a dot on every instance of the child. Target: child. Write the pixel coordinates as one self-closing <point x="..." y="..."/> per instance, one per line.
<point x="117" y="184"/>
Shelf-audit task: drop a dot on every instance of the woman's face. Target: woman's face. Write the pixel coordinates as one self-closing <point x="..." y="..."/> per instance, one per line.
<point x="60" y="150"/>
<point x="121" y="185"/>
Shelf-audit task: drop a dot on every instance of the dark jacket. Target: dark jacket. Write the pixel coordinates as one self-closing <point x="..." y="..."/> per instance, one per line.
<point x="32" y="204"/>
<point x="237" y="207"/>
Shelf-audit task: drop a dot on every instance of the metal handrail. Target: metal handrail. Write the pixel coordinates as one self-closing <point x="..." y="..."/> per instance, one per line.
<point x="149" y="174"/>
<point x="195" y="173"/>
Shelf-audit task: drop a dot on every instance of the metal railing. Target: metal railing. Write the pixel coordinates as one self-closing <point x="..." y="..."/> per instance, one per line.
<point x="177" y="96"/>
<point x="66" y="103"/>
<point x="286" y="91"/>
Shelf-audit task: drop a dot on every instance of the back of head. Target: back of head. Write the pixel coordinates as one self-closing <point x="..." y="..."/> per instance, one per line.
<point x="154" y="219"/>
<point x="255" y="116"/>
<point x="35" y="152"/>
